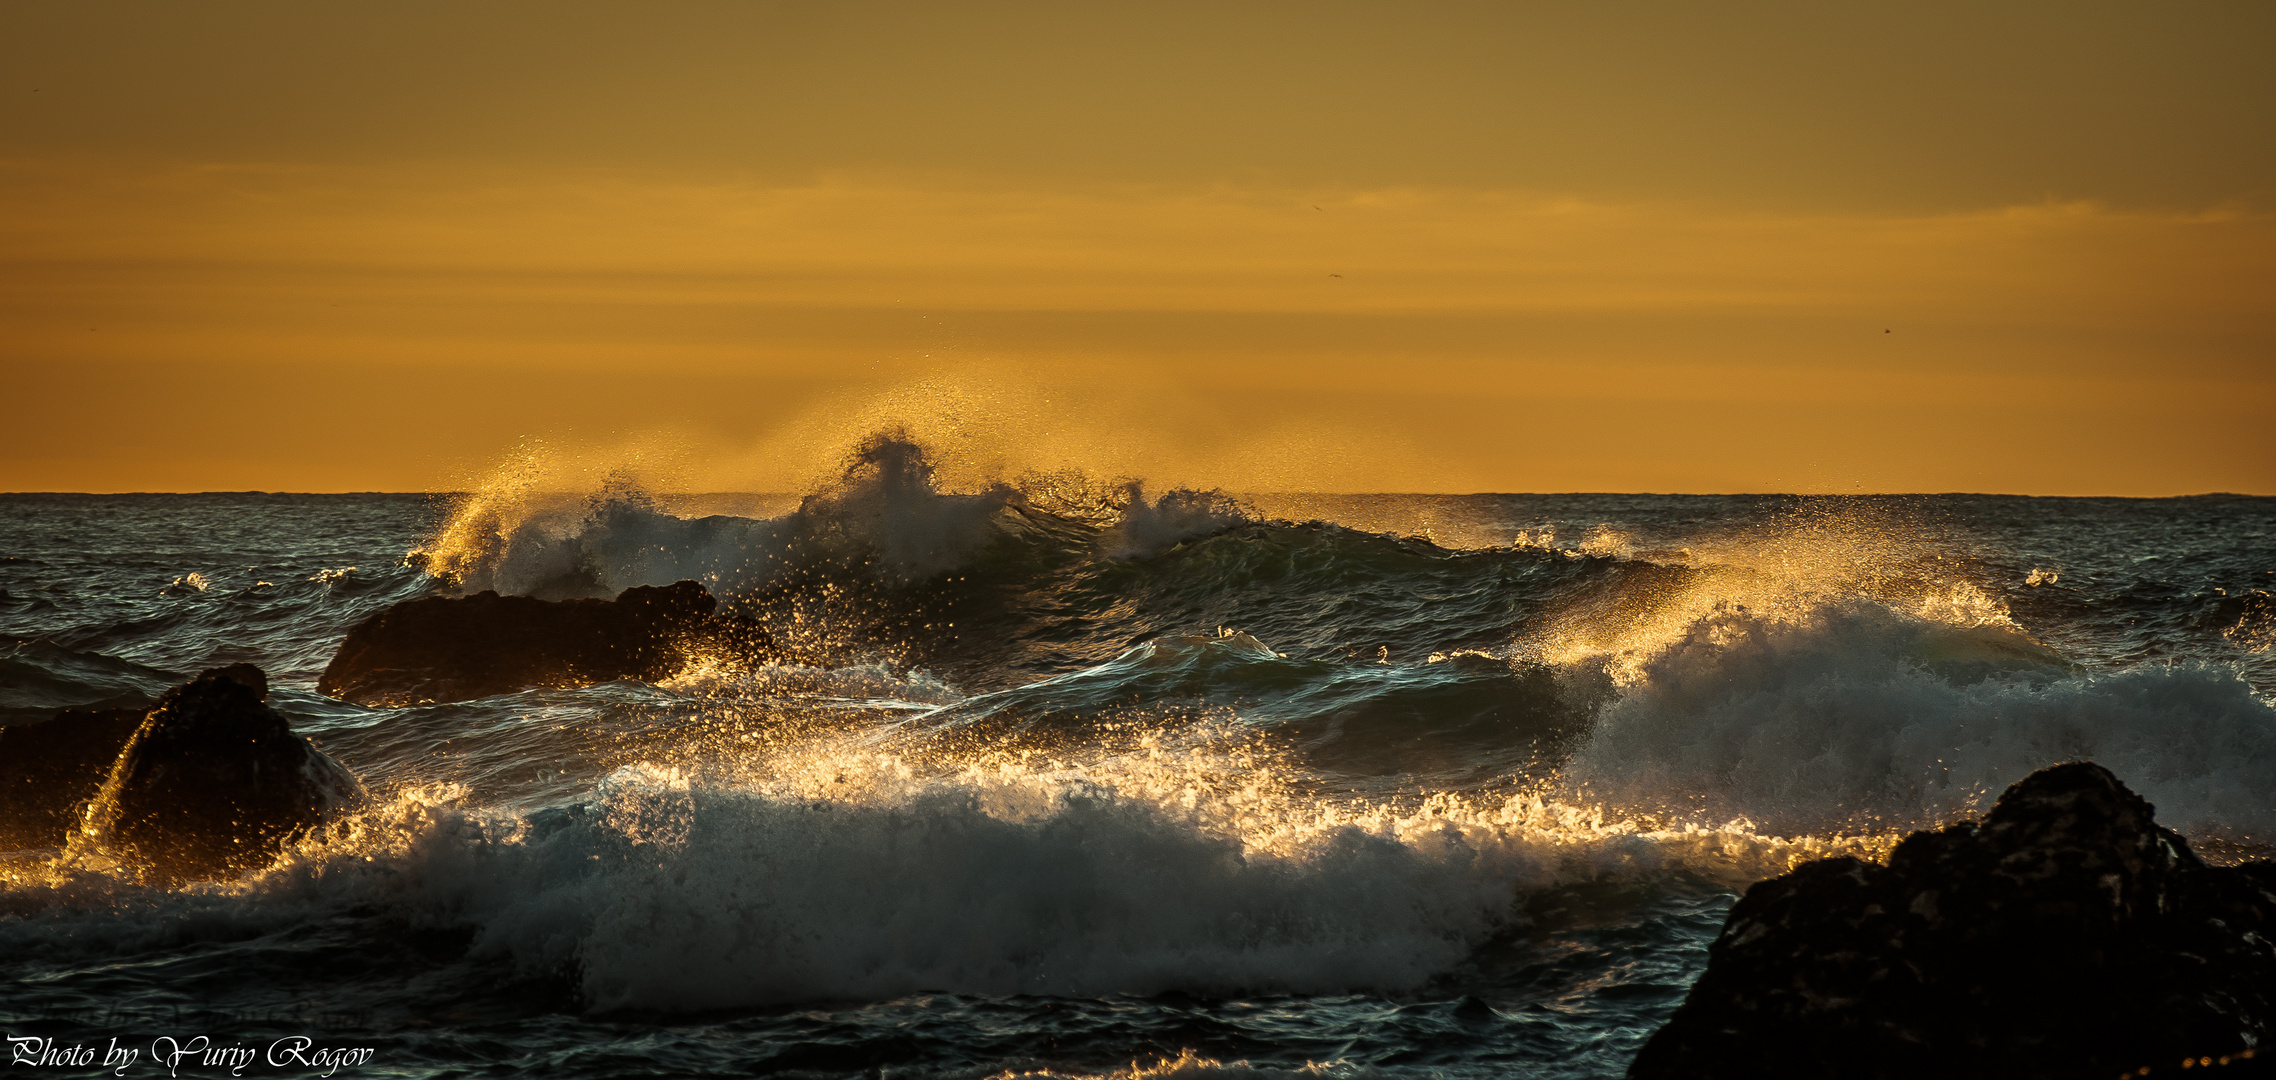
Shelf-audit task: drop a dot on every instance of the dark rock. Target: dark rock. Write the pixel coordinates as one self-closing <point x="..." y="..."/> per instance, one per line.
<point x="210" y="785"/>
<point x="49" y="768"/>
<point x="245" y="675"/>
<point x="2067" y="934"/>
<point x="458" y="648"/>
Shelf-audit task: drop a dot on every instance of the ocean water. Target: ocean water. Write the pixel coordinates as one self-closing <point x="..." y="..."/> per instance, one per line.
<point x="1074" y="778"/>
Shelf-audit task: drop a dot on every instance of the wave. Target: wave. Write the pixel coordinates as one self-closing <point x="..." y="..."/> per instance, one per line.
<point x="844" y="874"/>
<point x="1468" y="721"/>
<point x="39" y="676"/>
<point x="885" y="517"/>
<point x="1827" y="670"/>
<point x="1852" y="715"/>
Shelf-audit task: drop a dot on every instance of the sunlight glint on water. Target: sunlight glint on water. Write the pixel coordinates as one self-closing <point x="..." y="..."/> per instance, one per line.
<point x="1067" y="777"/>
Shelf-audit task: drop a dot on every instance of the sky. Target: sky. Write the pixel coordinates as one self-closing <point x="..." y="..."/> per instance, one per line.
<point x="1446" y="247"/>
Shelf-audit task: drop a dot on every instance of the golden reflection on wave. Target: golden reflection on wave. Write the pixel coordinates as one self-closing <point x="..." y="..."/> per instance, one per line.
<point x="1828" y="551"/>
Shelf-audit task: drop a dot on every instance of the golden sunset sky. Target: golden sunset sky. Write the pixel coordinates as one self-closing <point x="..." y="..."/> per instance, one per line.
<point x="2014" y="247"/>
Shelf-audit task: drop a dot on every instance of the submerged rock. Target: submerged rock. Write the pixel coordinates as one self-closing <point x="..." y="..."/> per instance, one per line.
<point x="210" y="784"/>
<point x="2067" y="934"/>
<point x="458" y="648"/>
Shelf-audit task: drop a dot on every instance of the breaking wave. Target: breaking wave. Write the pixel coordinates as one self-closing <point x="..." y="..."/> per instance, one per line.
<point x="885" y="517"/>
<point x="858" y="876"/>
<point x="1856" y="715"/>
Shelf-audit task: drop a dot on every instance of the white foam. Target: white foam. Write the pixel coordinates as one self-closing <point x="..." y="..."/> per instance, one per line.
<point x="888" y="508"/>
<point x="1146" y="529"/>
<point x="843" y="874"/>
<point x="1853" y="712"/>
<point x="885" y="516"/>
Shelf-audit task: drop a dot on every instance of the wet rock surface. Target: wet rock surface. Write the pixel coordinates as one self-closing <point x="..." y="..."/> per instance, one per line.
<point x="210" y="784"/>
<point x="51" y="767"/>
<point x="438" y="649"/>
<point x="2066" y="934"/>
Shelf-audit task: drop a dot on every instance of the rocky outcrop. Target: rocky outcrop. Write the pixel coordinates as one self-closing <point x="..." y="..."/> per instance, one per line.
<point x="2066" y="934"/>
<point x="457" y="648"/>
<point x="205" y="784"/>
<point x="51" y="767"/>
<point x="209" y="786"/>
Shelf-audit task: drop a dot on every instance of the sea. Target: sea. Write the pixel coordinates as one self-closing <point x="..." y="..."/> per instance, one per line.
<point x="1066" y="776"/>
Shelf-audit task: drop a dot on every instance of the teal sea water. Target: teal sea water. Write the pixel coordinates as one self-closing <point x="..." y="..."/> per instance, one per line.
<point x="1079" y="779"/>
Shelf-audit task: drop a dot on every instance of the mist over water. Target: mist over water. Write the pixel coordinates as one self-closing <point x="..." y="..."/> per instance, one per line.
<point x="1060" y="773"/>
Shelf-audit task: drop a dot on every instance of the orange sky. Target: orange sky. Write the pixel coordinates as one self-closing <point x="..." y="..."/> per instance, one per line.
<point x="1452" y="247"/>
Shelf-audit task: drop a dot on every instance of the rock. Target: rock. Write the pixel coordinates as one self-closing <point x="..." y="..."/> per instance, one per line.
<point x="211" y="784"/>
<point x="458" y="648"/>
<point x="53" y="763"/>
<point x="2067" y="934"/>
<point x="50" y="767"/>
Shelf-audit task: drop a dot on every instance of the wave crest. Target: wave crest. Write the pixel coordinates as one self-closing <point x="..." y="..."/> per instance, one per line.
<point x="839" y="873"/>
<point x="884" y="517"/>
<point x="1858" y="716"/>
